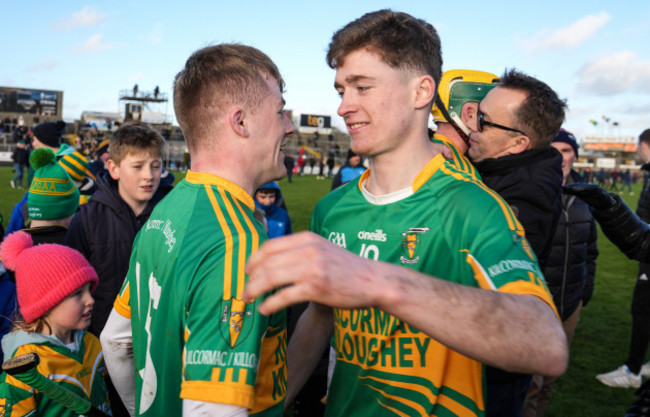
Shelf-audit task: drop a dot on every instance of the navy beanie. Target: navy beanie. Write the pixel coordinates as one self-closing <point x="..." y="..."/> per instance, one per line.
<point x="567" y="137"/>
<point x="50" y="133"/>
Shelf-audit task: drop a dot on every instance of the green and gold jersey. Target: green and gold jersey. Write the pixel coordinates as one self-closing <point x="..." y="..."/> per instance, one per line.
<point x="451" y="226"/>
<point x="193" y="336"/>
<point x="81" y="372"/>
<point x="458" y="158"/>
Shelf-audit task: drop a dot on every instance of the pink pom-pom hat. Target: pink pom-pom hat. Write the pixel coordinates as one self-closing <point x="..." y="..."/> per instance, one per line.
<point x="45" y="274"/>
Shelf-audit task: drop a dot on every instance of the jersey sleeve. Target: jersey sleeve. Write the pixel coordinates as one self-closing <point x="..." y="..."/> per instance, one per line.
<point x="121" y="304"/>
<point x="497" y="250"/>
<point x="227" y="342"/>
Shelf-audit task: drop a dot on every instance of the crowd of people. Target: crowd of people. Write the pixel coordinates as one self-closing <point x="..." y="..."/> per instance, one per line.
<point x="445" y="279"/>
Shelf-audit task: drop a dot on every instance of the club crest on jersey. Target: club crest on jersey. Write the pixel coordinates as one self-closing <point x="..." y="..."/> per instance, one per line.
<point x="411" y="244"/>
<point x="237" y="320"/>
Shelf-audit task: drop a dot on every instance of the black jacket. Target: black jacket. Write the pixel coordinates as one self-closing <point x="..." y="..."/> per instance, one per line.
<point x="531" y="183"/>
<point x="103" y="230"/>
<point x="20" y="156"/>
<point x="643" y="209"/>
<point x="571" y="265"/>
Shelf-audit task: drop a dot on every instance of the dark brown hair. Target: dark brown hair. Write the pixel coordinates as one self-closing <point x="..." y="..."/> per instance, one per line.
<point x="541" y="114"/>
<point x="401" y="40"/>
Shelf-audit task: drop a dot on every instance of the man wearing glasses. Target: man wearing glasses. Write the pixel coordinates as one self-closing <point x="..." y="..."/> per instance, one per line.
<point x="510" y="148"/>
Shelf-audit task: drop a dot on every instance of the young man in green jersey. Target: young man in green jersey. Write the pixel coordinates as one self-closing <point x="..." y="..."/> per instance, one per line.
<point x="430" y="274"/>
<point x="197" y="348"/>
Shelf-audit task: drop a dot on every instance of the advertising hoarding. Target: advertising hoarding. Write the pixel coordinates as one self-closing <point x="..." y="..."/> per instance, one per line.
<point x="29" y="101"/>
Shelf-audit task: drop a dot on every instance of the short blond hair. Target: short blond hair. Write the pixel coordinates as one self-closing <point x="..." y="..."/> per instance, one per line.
<point x="216" y="76"/>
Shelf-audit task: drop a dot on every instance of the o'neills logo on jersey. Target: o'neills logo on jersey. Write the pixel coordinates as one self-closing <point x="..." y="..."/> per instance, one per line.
<point x="236" y="321"/>
<point x="337" y="238"/>
<point x="411" y="244"/>
<point x="377" y="236"/>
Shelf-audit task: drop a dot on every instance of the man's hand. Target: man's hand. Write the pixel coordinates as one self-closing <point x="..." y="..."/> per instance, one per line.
<point x="592" y="194"/>
<point x="444" y="150"/>
<point x="308" y="267"/>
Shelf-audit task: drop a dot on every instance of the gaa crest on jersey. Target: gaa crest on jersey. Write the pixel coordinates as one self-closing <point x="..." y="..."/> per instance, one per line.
<point x="236" y="321"/>
<point x="411" y="244"/>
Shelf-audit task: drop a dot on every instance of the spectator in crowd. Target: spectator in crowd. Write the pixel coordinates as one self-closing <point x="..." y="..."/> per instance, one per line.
<point x="614" y="176"/>
<point x="20" y="158"/>
<point x="49" y="135"/>
<point x="53" y="284"/>
<point x="331" y="161"/>
<point x="98" y="166"/>
<point x="622" y="229"/>
<point x="104" y="229"/>
<point x="626" y="179"/>
<point x="7" y="296"/>
<point x="289" y="163"/>
<point x="350" y="170"/>
<point x="302" y="160"/>
<point x="52" y="200"/>
<point x="277" y="218"/>
<point x="571" y="265"/>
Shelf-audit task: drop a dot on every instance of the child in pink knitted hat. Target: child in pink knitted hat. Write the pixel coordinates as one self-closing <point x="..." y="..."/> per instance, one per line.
<point x="53" y="283"/>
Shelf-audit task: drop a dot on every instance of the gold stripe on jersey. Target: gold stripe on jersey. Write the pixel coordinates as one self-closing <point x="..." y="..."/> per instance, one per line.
<point x="234" y="393"/>
<point x="121" y="303"/>
<point x="227" y="234"/>
<point x="26" y="407"/>
<point x="534" y="285"/>
<point x="460" y="160"/>
<point x="480" y="275"/>
<point x="396" y="399"/>
<point x="243" y="243"/>
<point x="405" y="385"/>
<point x="255" y="237"/>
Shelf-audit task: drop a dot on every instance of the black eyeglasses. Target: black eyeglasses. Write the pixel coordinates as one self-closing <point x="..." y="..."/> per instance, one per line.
<point x="482" y="122"/>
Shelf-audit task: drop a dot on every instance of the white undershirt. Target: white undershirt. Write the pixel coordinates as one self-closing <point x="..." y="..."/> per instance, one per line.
<point x="381" y="200"/>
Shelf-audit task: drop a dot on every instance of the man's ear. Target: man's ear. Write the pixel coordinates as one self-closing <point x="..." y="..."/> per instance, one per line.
<point x="521" y="143"/>
<point x="238" y="122"/>
<point x="426" y="89"/>
<point x="468" y="115"/>
<point x="113" y="169"/>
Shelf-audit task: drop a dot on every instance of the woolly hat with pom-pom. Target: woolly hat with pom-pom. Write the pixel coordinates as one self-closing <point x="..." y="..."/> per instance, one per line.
<point x="49" y="133"/>
<point x="52" y="194"/>
<point x="45" y="274"/>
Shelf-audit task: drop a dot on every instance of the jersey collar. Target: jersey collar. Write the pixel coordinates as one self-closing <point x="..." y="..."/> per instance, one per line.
<point x="210" y="179"/>
<point x="422" y="177"/>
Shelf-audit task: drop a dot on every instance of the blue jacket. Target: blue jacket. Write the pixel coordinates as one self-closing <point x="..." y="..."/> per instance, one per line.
<point x="277" y="219"/>
<point x="7" y="304"/>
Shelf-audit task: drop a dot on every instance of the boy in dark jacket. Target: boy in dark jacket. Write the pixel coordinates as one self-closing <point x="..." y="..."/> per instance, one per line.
<point x="104" y="229"/>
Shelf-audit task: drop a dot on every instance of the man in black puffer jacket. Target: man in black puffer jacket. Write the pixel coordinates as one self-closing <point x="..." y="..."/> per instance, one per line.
<point x="570" y="267"/>
<point x="631" y="234"/>
<point x="516" y="122"/>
